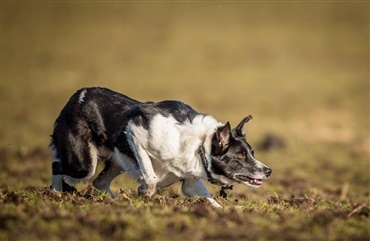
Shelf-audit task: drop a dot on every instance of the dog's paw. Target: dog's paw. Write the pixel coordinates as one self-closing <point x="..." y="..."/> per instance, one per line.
<point x="67" y="188"/>
<point x="213" y="202"/>
<point x="146" y="190"/>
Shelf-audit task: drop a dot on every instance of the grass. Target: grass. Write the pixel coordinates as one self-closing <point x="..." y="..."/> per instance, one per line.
<point x="53" y="216"/>
<point x="301" y="69"/>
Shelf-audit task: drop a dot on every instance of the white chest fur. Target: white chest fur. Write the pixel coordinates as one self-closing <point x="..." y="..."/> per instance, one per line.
<point x="172" y="146"/>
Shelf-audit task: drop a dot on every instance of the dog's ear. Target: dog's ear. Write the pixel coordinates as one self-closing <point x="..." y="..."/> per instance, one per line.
<point x="221" y="139"/>
<point x="239" y="131"/>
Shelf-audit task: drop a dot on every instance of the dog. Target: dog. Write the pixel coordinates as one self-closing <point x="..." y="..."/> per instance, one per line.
<point x="156" y="143"/>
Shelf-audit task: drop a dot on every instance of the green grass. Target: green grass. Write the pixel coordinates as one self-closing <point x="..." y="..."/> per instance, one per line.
<point x="301" y="69"/>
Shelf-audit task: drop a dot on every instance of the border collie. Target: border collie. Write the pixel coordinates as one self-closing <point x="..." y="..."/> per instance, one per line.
<point x="157" y="144"/>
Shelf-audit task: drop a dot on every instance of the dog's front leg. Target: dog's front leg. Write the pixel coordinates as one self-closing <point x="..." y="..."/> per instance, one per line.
<point x="196" y="188"/>
<point x="149" y="179"/>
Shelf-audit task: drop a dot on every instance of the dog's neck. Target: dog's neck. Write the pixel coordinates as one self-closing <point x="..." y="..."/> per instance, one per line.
<point x="205" y="163"/>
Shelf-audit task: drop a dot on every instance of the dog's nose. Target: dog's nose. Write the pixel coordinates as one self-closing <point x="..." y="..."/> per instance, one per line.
<point x="267" y="171"/>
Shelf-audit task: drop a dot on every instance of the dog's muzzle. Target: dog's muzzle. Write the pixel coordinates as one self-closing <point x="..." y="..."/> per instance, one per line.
<point x="251" y="181"/>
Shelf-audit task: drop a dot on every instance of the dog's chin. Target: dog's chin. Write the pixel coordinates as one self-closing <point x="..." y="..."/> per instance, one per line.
<point x="249" y="181"/>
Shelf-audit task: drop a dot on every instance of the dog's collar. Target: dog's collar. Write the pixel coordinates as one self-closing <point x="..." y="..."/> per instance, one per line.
<point x="202" y="154"/>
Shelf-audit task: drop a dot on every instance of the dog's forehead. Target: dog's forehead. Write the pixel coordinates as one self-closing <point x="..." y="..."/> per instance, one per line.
<point x="241" y="144"/>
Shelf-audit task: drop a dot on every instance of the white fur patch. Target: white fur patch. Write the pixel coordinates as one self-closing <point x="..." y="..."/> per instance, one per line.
<point x="82" y="96"/>
<point x="174" y="145"/>
<point x="138" y="142"/>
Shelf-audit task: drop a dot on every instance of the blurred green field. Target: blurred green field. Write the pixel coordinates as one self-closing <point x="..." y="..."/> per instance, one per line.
<point x="300" y="68"/>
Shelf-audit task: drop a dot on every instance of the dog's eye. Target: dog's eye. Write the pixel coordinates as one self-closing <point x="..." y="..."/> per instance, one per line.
<point x="240" y="156"/>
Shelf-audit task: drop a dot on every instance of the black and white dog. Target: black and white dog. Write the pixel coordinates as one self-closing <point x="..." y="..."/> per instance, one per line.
<point x="157" y="144"/>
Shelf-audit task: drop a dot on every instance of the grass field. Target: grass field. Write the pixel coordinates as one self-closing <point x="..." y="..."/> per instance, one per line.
<point x="300" y="68"/>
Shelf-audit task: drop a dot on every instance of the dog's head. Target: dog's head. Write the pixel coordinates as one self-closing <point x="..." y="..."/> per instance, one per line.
<point x="233" y="158"/>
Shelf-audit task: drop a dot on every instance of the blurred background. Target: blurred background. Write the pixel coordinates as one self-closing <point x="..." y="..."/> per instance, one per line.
<point x="300" y="68"/>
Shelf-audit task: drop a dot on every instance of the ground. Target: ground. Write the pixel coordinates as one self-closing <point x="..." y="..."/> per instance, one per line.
<point x="300" y="68"/>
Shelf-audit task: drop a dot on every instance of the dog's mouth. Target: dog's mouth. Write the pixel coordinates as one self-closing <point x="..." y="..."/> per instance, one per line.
<point x="248" y="180"/>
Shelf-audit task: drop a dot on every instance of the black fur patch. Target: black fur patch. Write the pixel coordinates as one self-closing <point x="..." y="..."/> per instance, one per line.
<point x="141" y="115"/>
<point x="92" y="116"/>
<point x="179" y="110"/>
<point x="57" y="168"/>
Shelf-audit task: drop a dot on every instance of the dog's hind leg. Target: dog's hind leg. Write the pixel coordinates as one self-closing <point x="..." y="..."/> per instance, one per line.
<point x="87" y="159"/>
<point x="57" y="172"/>
<point x="196" y="188"/>
<point x="57" y="182"/>
<point x="104" y="179"/>
<point x="77" y="165"/>
<point x="57" y="176"/>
